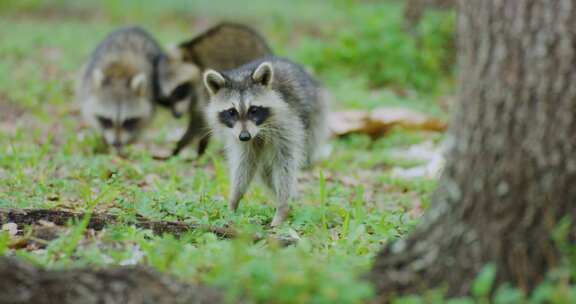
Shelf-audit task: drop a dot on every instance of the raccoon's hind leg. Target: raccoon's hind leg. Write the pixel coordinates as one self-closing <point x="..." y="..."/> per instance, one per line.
<point x="202" y="145"/>
<point x="243" y="167"/>
<point x="196" y="128"/>
<point x="183" y="142"/>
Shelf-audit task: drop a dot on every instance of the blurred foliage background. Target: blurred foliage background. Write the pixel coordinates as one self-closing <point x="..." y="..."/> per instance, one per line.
<point x="358" y="47"/>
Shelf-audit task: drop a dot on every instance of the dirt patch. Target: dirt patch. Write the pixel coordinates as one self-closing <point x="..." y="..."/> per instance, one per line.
<point x="11" y="115"/>
<point x="9" y="111"/>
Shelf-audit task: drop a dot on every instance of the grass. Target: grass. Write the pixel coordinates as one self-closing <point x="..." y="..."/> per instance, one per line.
<point x="349" y="205"/>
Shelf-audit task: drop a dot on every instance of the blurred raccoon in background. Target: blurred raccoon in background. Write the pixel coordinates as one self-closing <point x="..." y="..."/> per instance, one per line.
<point x="179" y="85"/>
<point x="174" y="81"/>
<point x="115" y="88"/>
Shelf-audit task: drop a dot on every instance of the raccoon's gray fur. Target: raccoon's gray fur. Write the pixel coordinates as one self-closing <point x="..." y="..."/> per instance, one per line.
<point x="223" y="47"/>
<point x="272" y="117"/>
<point x="115" y="89"/>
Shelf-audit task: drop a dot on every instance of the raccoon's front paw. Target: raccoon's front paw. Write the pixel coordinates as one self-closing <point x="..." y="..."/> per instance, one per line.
<point x="233" y="206"/>
<point x="280" y="216"/>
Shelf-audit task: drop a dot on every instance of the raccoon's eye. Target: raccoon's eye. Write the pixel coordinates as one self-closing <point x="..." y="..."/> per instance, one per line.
<point x="228" y="117"/>
<point x="258" y="114"/>
<point x="131" y="124"/>
<point x="182" y="91"/>
<point x="232" y="112"/>
<point x="106" y="123"/>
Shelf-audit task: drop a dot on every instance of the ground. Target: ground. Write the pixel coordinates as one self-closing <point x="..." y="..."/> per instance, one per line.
<point x="349" y="205"/>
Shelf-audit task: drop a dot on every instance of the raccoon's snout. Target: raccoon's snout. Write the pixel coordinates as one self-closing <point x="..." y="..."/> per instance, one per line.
<point x="244" y="136"/>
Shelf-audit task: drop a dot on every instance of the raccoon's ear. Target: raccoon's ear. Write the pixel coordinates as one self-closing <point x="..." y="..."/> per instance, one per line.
<point x="97" y="78"/>
<point x="138" y="84"/>
<point x="264" y="74"/>
<point x="213" y="81"/>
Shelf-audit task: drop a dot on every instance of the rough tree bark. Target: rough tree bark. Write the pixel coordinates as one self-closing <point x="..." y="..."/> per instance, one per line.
<point x="23" y="283"/>
<point x="511" y="170"/>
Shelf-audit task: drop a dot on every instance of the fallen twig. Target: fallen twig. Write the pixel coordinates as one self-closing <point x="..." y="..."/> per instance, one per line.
<point x="100" y="220"/>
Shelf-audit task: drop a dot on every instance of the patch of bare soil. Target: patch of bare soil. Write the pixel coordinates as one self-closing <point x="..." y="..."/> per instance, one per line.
<point x="9" y="111"/>
<point x="10" y="114"/>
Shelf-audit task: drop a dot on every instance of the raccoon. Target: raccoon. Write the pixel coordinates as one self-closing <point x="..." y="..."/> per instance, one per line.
<point x="179" y="83"/>
<point x="175" y="81"/>
<point x="272" y="117"/>
<point x="179" y="88"/>
<point x="114" y="90"/>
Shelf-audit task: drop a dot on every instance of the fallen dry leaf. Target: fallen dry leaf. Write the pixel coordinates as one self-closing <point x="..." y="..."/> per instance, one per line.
<point x="428" y="153"/>
<point x="346" y="122"/>
<point x="406" y="118"/>
<point x="380" y="120"/>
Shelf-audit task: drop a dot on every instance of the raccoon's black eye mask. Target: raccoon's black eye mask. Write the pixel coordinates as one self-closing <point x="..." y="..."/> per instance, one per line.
<point x="131" y="124"/>
<point x="105" y="123"/>
<point x="228" y="117"/>
<point x="258" y="114"/>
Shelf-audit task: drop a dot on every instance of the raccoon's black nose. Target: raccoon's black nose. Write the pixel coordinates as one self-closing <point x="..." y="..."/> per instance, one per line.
<point x="244" y="136"/>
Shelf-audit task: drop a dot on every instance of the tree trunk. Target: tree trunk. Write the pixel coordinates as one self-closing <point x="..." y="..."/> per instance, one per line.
<point x="511" y="171"/>
<point x="22" y="283"/>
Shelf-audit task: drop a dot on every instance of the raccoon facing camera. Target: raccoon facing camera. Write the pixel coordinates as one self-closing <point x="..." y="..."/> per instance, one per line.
<point x="178" y="80"/>
<point x="115" y="91"/>
<point x="272" y="117"/>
